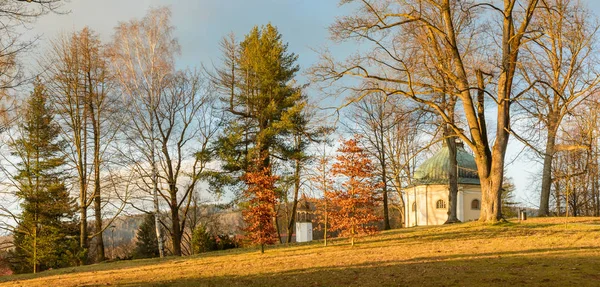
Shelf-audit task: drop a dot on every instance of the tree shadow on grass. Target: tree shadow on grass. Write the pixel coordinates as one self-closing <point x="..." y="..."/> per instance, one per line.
<point x="468" y="232"/>
<point x="539" y="267"/>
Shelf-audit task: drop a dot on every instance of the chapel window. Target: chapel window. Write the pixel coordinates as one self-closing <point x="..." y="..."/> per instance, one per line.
<point x="475" y="204"/>
<point x="440" y="204"/>
<point x="414" y="206"/>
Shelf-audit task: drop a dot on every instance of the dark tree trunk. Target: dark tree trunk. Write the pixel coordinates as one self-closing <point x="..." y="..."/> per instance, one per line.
<point x="386" y="214"/>
<point x="547" y="171"/>
<point x="83" y="238"/>
<point x="175" y="225"/>
<point x="100" y="256"/>
<point x="384" y="176"/>
<point x="452" y="181"/>
<point x="276" y="223"/>
<point x="450" y="142"/>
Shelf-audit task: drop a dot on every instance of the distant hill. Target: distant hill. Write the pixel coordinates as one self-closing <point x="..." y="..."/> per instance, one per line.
<point x="120" y="235"/>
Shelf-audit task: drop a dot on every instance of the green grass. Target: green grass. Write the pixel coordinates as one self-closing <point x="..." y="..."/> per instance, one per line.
<point x="539" y="252"/>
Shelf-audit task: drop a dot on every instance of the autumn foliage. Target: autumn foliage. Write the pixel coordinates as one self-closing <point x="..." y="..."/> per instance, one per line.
<point x="354" y="200"/>
<point x="260" y="211"/>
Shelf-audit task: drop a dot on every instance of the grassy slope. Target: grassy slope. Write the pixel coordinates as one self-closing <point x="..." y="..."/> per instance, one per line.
<point x="541" y="252"/>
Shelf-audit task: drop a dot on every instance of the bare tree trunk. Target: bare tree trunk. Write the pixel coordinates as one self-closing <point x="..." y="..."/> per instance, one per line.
<point x="100" y="256"/>
<point x="35" y="246"/>
<point x="159" y="235"/>
<point x="292" y="222"/>
<point x="83" y="238"/>
<point x="547" y="170"/>
<point x="326" y="221"/>
<point x="450" y="141"/>
<point x="491" y="186"/>
<point x="276" y="222"/>
<point x="386" y="214"/>
<point x="452" y="181"/>
<point x="175" y="226"/>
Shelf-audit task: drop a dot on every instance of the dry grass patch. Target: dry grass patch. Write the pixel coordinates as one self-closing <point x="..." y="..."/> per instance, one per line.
<point x="540" y="252"/>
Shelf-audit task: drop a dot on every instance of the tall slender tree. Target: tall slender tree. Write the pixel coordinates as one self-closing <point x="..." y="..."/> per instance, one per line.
<point x="77" y="70"/>
<point x="373" y="118"/>
<point x="143" y="56"/>
<point x="264" y="108"/>
<point x="43" y="237"/>
<point x="322" y="182"/>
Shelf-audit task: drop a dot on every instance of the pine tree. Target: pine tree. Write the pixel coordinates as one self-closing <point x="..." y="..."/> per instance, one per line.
<point x="202" y="240"/>
<point x="146" y="245"/>
<point x="45" y="236"/>
<point x="261" y="102"/>
<point x="263" y="108"/>
<point x="508" y="201"/>
<point x="352" y="204"/>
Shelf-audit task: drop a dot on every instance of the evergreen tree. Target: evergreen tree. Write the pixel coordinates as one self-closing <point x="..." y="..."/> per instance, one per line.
<point x="261" y="102"/>
<point x="45" y="236"/>
<point x="146" y="245"/>
<point x="264" y="109"/>
<point x="509" y="205"/>
<point x="202" y="240"/>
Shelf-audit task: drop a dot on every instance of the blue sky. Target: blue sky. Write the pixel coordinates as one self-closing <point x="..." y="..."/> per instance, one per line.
<point x="200" y="25"/>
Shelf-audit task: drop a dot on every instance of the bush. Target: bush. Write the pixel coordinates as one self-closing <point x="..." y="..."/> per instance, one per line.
<point x="204" y="241"/>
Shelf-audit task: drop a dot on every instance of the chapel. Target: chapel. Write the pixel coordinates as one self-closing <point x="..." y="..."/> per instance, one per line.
<point x="427" y="198"/>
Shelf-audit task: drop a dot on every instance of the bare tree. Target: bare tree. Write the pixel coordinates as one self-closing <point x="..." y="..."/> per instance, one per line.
<point x="308" y="129"/>
<point x="575" y="171"/>
<point x="13" y="16"/>
<point x="143" y="53"/>
<point x="321" y="181"/>
<point x="454" y="32"/>
<point x="186" y="124"/>
<point x="77" y="71"/>
<point x="172" y="119"/>
<point x="373" y="119"/>
<point x="561" y="65"/>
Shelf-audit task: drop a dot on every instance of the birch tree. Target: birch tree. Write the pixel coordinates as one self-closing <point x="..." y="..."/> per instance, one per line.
<point x="143" y="55"/>
<point x="172" y="120"/>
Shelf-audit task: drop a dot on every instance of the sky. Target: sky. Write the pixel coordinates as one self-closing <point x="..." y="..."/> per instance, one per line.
<point x="201" y="24"/>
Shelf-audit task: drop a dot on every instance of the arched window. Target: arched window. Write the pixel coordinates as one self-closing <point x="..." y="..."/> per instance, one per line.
<point x="475" y="204"/>
<point x="414" y="206"/>
<point x="440" y="204"/>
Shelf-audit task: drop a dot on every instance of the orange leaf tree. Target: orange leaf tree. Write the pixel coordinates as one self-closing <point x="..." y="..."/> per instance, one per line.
<point x="260" y="211"/>
<point x="354" y="201"/>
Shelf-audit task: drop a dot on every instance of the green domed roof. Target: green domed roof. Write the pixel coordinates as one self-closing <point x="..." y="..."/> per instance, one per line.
<point x="435" y="169"/>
